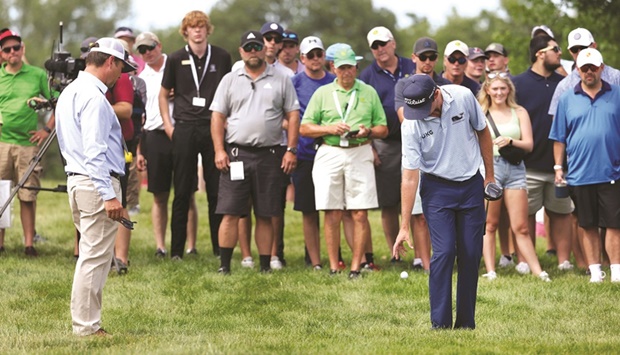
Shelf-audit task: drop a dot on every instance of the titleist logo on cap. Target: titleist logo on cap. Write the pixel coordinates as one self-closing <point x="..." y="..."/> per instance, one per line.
<point x="414" y="102"/>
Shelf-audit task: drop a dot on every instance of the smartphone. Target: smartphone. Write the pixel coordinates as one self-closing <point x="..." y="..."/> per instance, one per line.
<point x="351" y="134"/>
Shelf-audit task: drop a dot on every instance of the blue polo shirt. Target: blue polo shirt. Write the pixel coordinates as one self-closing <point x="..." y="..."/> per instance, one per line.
<point x="446" y="146"/>
<point x="305" y="87"/>
<point x="534" y="93"/>
<point x="468" y="83"/>
<point x="383" y="81"/>
<point x="590" y="128"/>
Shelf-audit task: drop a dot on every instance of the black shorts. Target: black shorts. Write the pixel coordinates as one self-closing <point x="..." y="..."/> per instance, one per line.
<point x="262" y="184"/>
<point x="388" y="173"/>
<point x="597" y="205"/>
<point x="304" y="186"/>
<point x="157" y="149"/>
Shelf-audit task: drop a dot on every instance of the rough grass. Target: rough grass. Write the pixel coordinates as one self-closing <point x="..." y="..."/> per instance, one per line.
<point x="165" y="307"/>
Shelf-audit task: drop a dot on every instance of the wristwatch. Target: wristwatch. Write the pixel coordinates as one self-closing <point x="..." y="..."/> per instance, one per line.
<point x="292" y="150"/>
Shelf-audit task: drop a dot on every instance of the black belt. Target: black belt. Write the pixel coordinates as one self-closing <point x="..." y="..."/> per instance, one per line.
<point x="351" y="145"/>
<point x="112" y="174"/>
<point x="252" y="148"/>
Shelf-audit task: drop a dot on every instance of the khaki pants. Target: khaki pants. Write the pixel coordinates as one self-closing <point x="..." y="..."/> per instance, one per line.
<point x="96" y="252"/>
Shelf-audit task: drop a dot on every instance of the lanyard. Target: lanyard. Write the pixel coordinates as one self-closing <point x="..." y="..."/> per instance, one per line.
<point x="347" y="107"/>
<point x="193" y="65"/>
<point x="400" y="71"/>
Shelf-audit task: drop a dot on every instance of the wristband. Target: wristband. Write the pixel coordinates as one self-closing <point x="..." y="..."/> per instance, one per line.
<point x="557" y="167"/>
<point x="47" y="129"/>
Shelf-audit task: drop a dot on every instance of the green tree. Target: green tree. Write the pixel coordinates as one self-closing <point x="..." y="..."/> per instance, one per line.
<point x="37" y="22"/>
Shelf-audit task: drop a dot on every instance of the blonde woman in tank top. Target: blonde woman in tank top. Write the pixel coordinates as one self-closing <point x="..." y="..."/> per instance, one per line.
<point x="497" y="98"/>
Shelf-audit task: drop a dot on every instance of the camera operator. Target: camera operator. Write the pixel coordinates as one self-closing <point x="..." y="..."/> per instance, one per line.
<point x="90" y="139"/>
<point x="19" y="139"/>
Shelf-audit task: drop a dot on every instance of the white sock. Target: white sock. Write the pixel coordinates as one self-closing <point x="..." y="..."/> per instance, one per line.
<point x="418" y="261"/>
<point x="595" y="269"/>
<point x="615" y="270"/>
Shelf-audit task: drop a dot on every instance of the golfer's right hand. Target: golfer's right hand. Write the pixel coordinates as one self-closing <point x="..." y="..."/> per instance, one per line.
<point x="113" y="208"/>
<point x="399" y="249"/>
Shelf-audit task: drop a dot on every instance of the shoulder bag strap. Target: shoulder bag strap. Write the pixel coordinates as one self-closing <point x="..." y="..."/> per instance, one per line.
<point x="493" y="126"/>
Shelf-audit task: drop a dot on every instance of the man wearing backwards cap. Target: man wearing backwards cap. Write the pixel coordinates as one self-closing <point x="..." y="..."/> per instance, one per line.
<point x="93" y="149"/>
<point x="343" y="172"/>
<point x="19" y="82"/>
<point x="445" y="140"/>
<point x="249" y="109"/>
<point x="586" y="129"/>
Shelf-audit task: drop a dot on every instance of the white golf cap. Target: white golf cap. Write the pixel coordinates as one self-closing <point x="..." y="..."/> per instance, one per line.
<point x="309" y="43"/>
<point x="580" y="37"/>
<point x="589" y="56"/>
<point x="113" y="47"/>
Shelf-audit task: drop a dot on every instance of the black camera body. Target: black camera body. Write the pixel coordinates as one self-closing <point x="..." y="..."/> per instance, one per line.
<point x="63" y="69"/>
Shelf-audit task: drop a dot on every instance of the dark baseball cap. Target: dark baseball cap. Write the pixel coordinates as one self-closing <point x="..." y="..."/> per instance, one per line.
<point x="418" y="94"/>
<point x="423" y="45"/>
<point x="251" y="37"/>
<point x="290" y="36"/>
<point x="272" y="27"/>
<point x="475" y="53"/>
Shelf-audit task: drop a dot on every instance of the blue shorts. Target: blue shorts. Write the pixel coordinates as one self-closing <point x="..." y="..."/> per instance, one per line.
<point x="508" y="176"/>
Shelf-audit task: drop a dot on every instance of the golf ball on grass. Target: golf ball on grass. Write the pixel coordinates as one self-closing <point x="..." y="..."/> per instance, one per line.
<point x="404" y="275"/>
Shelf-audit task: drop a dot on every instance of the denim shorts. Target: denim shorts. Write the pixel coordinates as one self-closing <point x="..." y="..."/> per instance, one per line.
<point x="508" y="176"/>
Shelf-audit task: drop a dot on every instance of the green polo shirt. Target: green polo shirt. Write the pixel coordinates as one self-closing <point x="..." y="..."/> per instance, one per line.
<point x="15" y="90"/>
<point x="366" y="109"/>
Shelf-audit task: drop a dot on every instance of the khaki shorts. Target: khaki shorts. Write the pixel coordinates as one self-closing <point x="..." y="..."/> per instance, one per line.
<point x="344" y="178"/>
<point x="14" y="161"/>
<point x="541" y="192"/>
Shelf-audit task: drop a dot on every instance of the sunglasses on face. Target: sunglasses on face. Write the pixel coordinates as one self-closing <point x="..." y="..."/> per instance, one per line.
<point x="495" y="74"/>
<point x="145" y="48"/>
<point x="577" y="49"/>
<point x="424" y="57"/>
<point x="376" y="44"/>
<point x="275" y="37"/>
<point x="15" y="48"/>
<point x="315" y="53"/>
<point x="252" y="46"/>
<point x="556" y="49"/>
<point x="460" y="60"/>
<point x="589" y="67"/>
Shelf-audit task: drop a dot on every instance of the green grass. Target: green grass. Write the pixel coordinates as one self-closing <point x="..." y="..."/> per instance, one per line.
<point x="164" y="307"/>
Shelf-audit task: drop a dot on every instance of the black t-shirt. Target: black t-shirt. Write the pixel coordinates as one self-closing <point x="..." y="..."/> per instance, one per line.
<point x="178" y="76"/>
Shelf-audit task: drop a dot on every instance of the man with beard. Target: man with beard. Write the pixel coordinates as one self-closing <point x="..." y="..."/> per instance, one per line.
<point x="249" y="107"/>
<point x="534" y="89"/>
<point x="587" y="130"/>
<point x="194" y="72"/>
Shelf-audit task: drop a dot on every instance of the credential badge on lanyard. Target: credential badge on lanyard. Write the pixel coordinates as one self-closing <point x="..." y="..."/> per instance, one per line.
<point x="344" y="141"/>
<point x="199" y="101"/>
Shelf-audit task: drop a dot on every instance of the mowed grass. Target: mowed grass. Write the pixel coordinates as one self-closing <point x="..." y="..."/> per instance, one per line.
<point x="166" y="307"/>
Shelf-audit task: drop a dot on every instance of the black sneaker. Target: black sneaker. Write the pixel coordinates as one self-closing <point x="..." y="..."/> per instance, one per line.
<point x="353" y="275"/>
<point x="333" y="272"/>
<point x="417" y="267"/>
<point x="121" y="267"/>
<point x="223" y="270"/>
<point x="31" y="251"/>
<point x="160" y="253"/>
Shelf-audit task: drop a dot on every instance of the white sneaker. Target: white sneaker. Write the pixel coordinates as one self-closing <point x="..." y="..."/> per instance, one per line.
<point x="247" y="262"/>
<point x="522" y="268"/>
<point x="565" y="265"/>
<point x="597" y="277"/>
<point x="491" y="275"/>
<point x="505" y="262"/>
<point x="544" y="276"/>
<point x="275" y="263"/>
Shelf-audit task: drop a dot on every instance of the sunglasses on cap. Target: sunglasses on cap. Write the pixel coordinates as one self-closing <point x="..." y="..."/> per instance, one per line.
<point x="496" y="74"/>
<point x="275" y="37"/>
<point x="144" y="48"/>
<point x="15" y="48"/>
<point x="252" y="46"/>
<point x="432" y="57"/>
<point x="461" y="60"/>
<point x="556" y="49"/>
<point x="376" y="44"/>
<point x="318" y="53"/>
<point x="577" y="49"/>
<point x="589" y="67"/>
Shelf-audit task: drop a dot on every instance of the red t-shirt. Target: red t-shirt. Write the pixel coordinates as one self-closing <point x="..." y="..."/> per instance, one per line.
<point x="122" y="92"/>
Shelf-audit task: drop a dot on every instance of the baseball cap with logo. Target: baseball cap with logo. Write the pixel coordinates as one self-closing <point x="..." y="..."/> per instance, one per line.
<point x="251" y="37"/>
<point x="379" y="33"/>
<point x="496" y="48"/>
<point x="456" y="46"/>
<point x="475" y="53"/>
<point x="418" y="94"/>
<point x="589" y="56"/>
<point x="9" y="34"/>
<point x="542" y="28"/>
<point x="423" y="45"/>
<point x="272" y="27"/>
<point x="331" y="50"/>
<point x="146" y="39"/>
<point x="309" y="43"/>
<point x="580" y="37"/>
<point x="344" y="56"/>
<point x="113" y="47"/>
